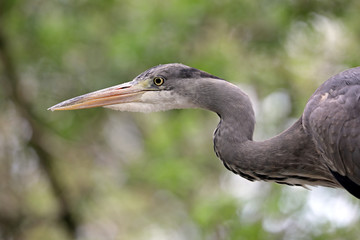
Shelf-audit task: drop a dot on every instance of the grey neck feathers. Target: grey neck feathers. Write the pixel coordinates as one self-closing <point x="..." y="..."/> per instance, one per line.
<point x="231" y="104"/>
<point x="287" y="158"/>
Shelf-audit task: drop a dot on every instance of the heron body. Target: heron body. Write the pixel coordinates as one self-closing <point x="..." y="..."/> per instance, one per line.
<point x="321" y="148"/>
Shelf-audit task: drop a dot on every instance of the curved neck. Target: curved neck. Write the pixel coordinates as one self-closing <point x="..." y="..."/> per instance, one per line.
<point x="288" y="158"/>
<point x="231" y="104"/>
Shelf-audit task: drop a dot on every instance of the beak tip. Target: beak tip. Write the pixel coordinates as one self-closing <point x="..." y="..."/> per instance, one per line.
<point x="53" y="108"/>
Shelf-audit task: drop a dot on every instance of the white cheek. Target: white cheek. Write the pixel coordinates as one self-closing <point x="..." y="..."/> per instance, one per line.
<point x="166" y="100"/>
<point x="154" y="101"/>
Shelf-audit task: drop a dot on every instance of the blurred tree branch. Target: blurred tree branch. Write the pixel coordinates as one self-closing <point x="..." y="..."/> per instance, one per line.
<point x="11" y="89"/>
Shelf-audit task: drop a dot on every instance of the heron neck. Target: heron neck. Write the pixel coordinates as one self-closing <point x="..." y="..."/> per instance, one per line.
<point x="231" y="104"/>
<point x="287" y="158"/>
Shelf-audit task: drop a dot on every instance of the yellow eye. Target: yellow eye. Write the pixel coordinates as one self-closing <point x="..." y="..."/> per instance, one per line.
<point x="158" y="81"/>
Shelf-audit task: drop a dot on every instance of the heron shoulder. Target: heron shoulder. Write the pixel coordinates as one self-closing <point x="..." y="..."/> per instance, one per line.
<point x="332" y="119"/>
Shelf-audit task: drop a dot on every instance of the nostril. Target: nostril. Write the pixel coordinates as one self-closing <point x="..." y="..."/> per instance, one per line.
<point x="122" y="87"/>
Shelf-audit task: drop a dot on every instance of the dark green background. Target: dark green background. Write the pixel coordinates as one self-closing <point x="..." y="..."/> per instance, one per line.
<point x="100" y="174"/>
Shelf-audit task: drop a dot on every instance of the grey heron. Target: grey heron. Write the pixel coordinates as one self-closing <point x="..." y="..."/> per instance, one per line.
<point x="321" y="148"/>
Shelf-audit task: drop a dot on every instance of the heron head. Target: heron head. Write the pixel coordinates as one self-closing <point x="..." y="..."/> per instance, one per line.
<point x="160" y="88"/>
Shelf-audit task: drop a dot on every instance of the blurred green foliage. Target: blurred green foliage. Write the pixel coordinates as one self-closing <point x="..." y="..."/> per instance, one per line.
<point x="155" y="176"/>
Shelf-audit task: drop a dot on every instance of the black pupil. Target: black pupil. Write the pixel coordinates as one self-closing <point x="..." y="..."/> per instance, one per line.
<point x="158" y="81"/>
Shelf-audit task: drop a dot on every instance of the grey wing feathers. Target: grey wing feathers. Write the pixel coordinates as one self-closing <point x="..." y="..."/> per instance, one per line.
<point x="332" y="118"/>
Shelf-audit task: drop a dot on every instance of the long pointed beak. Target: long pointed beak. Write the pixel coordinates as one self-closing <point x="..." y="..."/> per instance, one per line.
<point x="123" y="93"/>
